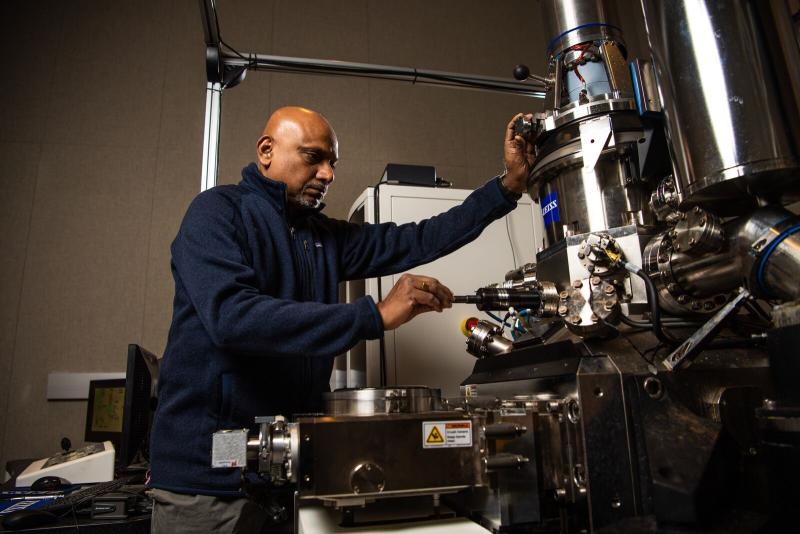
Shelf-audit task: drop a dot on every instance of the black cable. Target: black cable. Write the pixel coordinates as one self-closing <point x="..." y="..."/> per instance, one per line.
<point x="758" y="311"/>
<point x="236" y="52"/>
<point x="216" y="20"/>
<point x="502" y="322"/>
<point x="466" y="83"/>
<point x="511" y="242"/>
<point x="250" y="61"/>
<point x="674" y="322"/>
<point x="732" y="343"/>
<point x="75" y="519"/>
<point x="381" y="343"/>
<point x="654" y="350"/>
<point x="239" y="70"/>
<point x="655" y="309"/>
<point x="634" y="347"/>
<point x="658" y="328"/>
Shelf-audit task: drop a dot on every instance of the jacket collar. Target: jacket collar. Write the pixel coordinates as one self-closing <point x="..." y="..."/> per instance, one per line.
<point x="274" y="191"/>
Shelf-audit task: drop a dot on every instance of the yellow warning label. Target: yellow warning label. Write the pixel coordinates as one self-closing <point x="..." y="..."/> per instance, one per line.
<point x="446" y="434"/>
<point x="435" y="436"/>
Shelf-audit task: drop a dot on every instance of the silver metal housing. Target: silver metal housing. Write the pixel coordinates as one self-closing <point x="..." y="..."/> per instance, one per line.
<point x="372" y="401"/>
<point x="727" y="125"/>
<point x="570" y="22"/>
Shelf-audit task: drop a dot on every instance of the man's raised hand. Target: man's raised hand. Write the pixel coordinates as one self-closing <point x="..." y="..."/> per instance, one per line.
<point x="518" y="155"/>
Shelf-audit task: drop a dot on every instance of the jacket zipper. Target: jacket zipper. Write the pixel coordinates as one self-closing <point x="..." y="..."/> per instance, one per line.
<point x="309" y="271"/>
<point x="302" y="264"/>
<point x="305" y="264"/>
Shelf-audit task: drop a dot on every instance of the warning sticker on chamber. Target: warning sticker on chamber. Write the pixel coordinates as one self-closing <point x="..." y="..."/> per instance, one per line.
<point x="445" y="434"/>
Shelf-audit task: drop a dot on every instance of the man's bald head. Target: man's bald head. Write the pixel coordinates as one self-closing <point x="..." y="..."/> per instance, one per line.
<point x="291" y="119"/>
<point x="299" y="148"/>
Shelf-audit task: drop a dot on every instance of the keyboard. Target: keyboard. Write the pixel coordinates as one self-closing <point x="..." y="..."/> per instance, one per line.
<point x="50" y="512"/>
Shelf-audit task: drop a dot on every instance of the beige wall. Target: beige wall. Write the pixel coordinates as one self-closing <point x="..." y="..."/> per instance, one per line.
<point x="101" y="115"/>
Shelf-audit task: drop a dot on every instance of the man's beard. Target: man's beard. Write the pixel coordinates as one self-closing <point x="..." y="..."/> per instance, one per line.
<point x="301" y="200"/>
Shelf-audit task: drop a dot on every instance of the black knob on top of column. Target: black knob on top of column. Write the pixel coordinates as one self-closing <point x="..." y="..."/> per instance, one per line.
<point x="521" y="72"/>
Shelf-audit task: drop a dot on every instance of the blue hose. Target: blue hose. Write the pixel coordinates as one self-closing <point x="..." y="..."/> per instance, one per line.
<point x="763" y="259"/>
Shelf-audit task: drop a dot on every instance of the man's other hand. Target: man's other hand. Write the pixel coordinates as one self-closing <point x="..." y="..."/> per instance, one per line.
<point x="518" y="156"/>
<point x="410" y="296"/>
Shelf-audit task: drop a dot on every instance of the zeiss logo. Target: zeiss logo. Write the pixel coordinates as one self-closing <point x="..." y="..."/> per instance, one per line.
<point x="550" y="209"/>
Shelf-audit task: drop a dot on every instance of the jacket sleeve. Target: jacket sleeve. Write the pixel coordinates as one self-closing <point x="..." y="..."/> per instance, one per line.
<point x="209" y="261"/>
<point x="370" y="250"/>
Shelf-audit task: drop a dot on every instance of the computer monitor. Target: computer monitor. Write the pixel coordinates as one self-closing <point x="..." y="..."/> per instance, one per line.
<point x="141" y="387"/>
<point x="121" y="411"/>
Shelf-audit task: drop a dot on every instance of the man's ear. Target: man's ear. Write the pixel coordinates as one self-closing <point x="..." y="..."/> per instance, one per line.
<point x="264" y="150"/>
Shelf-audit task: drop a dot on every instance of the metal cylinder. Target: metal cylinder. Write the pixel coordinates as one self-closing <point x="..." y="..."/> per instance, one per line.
<point x="762" y="251"/>
<point x="503" y="431"/>
<point x="505" y="461"/>
<point x="587" y="70"/>
<point x="493" y="298"/>
<point x="708" y="276"/>
<point x="587" y="177"/>
<point x="570" y="22"/>
<point x="780" y="268"/>
<point x="768" y="244"/>
<point x="728" y="130"/>
<point x="610" y="195"/>
<point x="372" y="401"/>
<point x="487" y="340"/>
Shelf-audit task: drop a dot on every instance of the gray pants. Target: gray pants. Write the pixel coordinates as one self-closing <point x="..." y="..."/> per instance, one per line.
<point x="175" y="513"/>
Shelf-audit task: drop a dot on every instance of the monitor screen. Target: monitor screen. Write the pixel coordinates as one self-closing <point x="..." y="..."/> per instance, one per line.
<point x="121" y="411"/>
<point x="105" y="411"/>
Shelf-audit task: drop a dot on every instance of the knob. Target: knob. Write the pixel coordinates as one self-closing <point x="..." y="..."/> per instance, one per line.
<point x="521" y="72"/>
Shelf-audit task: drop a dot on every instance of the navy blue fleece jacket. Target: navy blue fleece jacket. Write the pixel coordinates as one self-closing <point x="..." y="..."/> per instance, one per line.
<point x="256" y="323"/>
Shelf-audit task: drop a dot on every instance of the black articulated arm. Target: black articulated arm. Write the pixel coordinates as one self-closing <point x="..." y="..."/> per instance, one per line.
<point x="215" y="66"/>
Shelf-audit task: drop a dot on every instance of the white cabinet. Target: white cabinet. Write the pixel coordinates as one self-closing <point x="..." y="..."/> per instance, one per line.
<point x="430" y="350"/>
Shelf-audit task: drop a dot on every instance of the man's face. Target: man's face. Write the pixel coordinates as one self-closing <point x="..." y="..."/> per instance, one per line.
<point x="302" y="154"/>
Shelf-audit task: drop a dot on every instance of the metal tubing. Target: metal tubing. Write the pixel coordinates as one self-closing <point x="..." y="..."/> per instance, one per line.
<point x="211" y="135"/>
<point x="541" y="79"/>
<point x="383" y="72"/>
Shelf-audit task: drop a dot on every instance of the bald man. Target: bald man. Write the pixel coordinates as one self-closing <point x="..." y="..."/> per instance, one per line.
<point x="256" y="320"/>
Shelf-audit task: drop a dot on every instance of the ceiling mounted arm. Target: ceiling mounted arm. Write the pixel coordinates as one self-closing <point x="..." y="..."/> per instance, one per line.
<point x="225" y="70"/>
<point x="328" y="67"/>
<point x="215" y="65"/>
